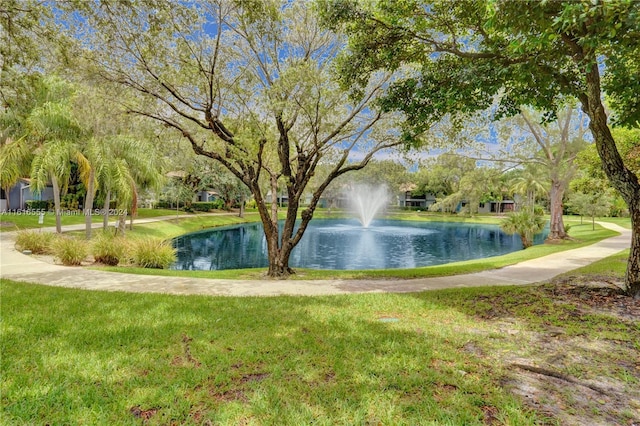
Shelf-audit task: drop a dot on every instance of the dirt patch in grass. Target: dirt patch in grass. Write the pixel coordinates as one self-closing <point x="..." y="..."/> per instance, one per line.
<point x="144" y="414"/>
<point x="575" y="377"/>
<point x="595" y="293"/>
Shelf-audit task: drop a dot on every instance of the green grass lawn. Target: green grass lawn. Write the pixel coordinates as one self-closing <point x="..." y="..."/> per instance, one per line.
<point x="625" y="222"/>
<point x="84" y="357"/>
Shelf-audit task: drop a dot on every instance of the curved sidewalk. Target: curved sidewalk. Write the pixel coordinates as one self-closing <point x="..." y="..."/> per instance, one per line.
<point x="17" y="266"/>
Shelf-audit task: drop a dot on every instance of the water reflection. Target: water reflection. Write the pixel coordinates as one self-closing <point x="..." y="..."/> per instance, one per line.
<point x="345" y="244"/>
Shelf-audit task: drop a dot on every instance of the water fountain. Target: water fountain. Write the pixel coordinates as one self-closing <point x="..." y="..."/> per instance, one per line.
<point x="348" y="244"/>
<point x="366" y="202"/>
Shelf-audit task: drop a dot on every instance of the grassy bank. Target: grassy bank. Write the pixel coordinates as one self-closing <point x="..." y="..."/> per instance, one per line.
<point x="441" y="357"/>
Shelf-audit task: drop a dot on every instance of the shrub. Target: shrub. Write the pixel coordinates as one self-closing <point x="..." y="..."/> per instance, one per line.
<point x="108" y="249"/>
<point x="163" y="205"/>
<point x="36" y="241"/>
<point x="70" y="251"/>
<point x="525" y="224"/>
<point x="152" y="252"/>
<point x="38" y="204"/>
<point x="205" y="206"/>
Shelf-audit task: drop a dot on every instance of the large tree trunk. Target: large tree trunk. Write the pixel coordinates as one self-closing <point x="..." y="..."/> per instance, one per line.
<point x="623" y="179"/>
<point x="556" y="227"/>
<point x="279" y="263"/>
<point x="632" y="277"/>
<point x="276" y="244"/>
<point x="56" y="202"/>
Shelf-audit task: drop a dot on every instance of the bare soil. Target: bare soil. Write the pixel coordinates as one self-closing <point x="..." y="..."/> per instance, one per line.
<point x="576" y="379"/>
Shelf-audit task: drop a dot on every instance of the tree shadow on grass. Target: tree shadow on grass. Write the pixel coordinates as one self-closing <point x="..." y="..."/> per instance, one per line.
<point x="158" y="359"/>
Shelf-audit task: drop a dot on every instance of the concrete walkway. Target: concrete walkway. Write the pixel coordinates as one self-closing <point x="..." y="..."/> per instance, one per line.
<point x="17" y="266"/>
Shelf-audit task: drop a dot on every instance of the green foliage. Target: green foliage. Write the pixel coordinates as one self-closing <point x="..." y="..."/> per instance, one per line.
<point x="150" y="252"/>
<point x="205" y="206"/>
<point x="36" y="241"/>
<point x="468" y="51"/>
<point x="70" y="202"/>
<point x="628" y="143"/>
<point x="70" y="251"/>
<point x="38" y="204"/>
<point x="15" y="157"/>
<point x="162" y="205"/>
<point x="108" y="249"/>
<point x="273" y="119"/>
<point x="524" y="223"/>
<point x="590" y="204"/>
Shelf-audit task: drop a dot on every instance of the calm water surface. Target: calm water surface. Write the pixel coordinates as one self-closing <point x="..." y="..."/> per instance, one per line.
<point x="345" y="244"/>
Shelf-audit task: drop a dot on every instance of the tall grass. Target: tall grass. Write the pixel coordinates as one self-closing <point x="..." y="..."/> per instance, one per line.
<point x="108" y="249"/>
<point x="70" y="251"/>
<point x="37" y="242"/>
<point x="150" y="252"/>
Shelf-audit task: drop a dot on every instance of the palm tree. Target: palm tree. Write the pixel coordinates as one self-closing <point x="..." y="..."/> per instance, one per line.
<point x="56" y="132"/>
<point x="525" y="223"/>
<point x="125" y="164"/>
<point x="52" y="163"/>
<point x="529" y="184"/>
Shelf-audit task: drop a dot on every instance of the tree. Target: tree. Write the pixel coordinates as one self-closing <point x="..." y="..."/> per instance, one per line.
<point x="202" y="175"/>
<point x="247" y="84"/>
<point x="458" y="56"/>
<point x="124" y="164"/>
<point x="557" y="153"/>
<point x="524" y="223"/>
<point x="529" y="183"/>
<point x="549" y="147"/>
<point x="55" y="133"/>
<point x="591" y="179"/>
<point x="441" y="176"/>
<point x="387" y="173"/>
<point x="590" y="204"/>
<point x="122" y="158"/>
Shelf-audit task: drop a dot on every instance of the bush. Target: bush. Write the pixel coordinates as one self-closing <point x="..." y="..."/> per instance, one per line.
<point x="108" y="249"/>
<point x="205" y="206"/>
<point x="152" y="252"/>
<point x="70" y="251"/>
<point x="525" y="224"/>
<point x="163" y="205"/>
<point x="36" y="241"/>
<point x="38" y="204"/>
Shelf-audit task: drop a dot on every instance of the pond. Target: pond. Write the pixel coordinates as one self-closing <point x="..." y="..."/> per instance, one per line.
<point x="346" y="245"/>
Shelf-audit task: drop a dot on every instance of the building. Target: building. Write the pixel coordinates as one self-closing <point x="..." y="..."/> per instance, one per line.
<point x="22" y="192"/>
<point x="406" y="198"/>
